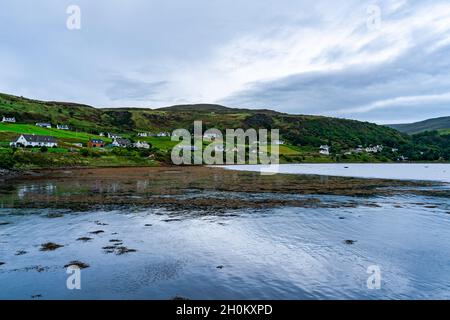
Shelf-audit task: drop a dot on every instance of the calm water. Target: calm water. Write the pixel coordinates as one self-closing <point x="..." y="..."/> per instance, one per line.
<point x="410" y="171"/>
<point x="264" y="253"/>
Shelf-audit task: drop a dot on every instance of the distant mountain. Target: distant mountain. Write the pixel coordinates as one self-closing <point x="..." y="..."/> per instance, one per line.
<point x="426" y="125"/>
<point x="212" y="108"/>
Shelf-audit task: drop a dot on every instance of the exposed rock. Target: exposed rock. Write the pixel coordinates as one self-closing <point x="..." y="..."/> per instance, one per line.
<point x="84" y="239"/>
<point x="50" y="246"/>
<point x="77" y="263"/>
<point x="124" y="250"/>
<point x="97" y="232"/>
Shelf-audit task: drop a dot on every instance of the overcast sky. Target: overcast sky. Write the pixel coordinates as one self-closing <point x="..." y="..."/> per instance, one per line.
<point x="380" y="61"/>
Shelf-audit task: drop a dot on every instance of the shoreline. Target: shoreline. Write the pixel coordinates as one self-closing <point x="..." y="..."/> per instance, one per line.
<point x="434" y="172"/>
<point x="196" y="188"/>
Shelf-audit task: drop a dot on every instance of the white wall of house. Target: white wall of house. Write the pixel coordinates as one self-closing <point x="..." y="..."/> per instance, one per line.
<point x="22" y="141"/>
<point x="8" y="119"/>
<point x="141" y="145"/>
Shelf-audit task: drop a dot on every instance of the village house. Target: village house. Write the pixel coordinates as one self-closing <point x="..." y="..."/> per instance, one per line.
<point x="113" y="136"/>
<point x="96" y="143"/>
<point x="43" y="125"/>
<point x="62" y="126"/>
<point x="142" y="134"/>
<point x="374" y="149"/>
<point x="325" y="150"/>
<point x="163" y="134"/>
<point x="31" y="140"/>
<point x="278" y="142"/>
<point x="121" y="143"/>
<point x="141" y="145"/>
<point x="12" y="120"/>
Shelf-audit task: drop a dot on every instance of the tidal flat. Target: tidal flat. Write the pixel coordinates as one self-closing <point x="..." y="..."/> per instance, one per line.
<point x="210" y="233"/>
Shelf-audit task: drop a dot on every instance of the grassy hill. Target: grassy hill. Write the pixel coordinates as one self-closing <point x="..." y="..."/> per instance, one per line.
<point x="14" y="129"/>
<point x="297" y="129"/>
<point x="78" y="116"/>
<point x="303" y="134"/>
<point x="442" y="123"/>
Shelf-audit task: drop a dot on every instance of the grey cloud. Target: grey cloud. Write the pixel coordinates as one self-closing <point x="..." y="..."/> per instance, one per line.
<point x="122" y="88"/>
<point x="41" y="59"/>
<point x="414" y="73"/>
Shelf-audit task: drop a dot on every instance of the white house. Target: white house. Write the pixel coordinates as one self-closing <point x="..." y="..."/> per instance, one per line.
<point x="62" y="126"/>
<point x="31" y="140"/>
<point x="121" y="143"/>
<point x="278" y="142"/>
<point x="141" y="145"/>
<point x="5" y="119"/>
<point x="142" y="134"/>
<point x="113" y="136"/>
<point x="163" y="134"/>
<point x="325" y="150"/>
<point x="43" y="125"/>
<point x="374" y="149"/>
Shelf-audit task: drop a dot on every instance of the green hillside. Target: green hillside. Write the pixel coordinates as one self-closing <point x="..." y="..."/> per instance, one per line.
<point x="6" y="129"/>
<point x="442" y="123"/>
<point x="297" y="129"/>
<point x="29" y="111"/>
<point x="303" y="134"/>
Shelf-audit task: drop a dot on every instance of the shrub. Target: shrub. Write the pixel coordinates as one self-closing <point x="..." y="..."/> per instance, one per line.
<point x="84" y="152"/>
<point x="7" y="161"/>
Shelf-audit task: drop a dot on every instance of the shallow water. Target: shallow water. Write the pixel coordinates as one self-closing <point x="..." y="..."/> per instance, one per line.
<point x="279" y="252"/>
<point x="403" y="171"/>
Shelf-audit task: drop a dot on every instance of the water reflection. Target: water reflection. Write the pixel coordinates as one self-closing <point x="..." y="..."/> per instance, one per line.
<point x="48" y="188"/>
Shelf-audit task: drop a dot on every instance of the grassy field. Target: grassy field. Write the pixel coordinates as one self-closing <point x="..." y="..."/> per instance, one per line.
<point x="16" y="129"/>
<point x="161" y="143"/>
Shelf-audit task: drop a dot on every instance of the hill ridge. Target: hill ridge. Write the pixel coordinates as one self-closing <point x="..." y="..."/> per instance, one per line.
<point x="439" y="123"/>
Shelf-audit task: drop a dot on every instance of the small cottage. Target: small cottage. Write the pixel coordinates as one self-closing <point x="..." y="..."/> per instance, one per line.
<point x="11" y="120"/>
<point x="141" y="145"/>
<point x="142" y="134"/>
<point x="31" y="140"/>
<point x="121" y="143"/>
<point x="325" y="150"/>
<point x="44" y="125"/>
<point x="96" y="143"/>
<point x="113" y="136"/>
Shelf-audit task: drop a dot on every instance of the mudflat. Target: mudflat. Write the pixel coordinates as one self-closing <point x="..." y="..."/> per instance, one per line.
<point x="192" y="188"/>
